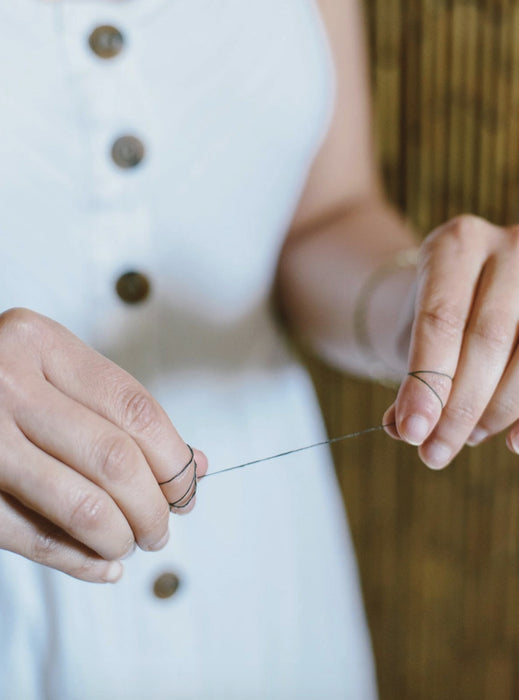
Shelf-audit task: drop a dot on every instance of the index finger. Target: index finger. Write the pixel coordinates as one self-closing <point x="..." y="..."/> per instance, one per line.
<point x="91" y="379"/>
<point x="450" y="266"/>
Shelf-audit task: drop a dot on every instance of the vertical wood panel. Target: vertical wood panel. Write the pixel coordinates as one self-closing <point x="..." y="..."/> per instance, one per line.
<point x="438" y="552"/>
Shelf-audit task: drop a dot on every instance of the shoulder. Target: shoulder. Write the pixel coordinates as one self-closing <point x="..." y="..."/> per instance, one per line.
<point x="344" y="170"/>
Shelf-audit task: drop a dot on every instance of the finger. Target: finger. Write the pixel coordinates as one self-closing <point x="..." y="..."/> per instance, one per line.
<point x="451" y="263"/>
<point x="48" y="487"/>
<point x="503" y="409"/>
<point x="25" y="533"/>
<point x="389" y="423"/>
<point x="195" y="468"/>
<point x="512" y="439"/>
<point x="489" y="339"/>
<point x="91" y="379"/>
<point x="101" y="452"/>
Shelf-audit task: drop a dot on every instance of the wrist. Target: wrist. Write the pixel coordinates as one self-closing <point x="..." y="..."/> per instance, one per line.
<point x="383" y="315"/>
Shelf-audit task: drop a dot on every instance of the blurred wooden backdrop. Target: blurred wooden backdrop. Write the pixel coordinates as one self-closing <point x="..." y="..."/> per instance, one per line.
<point x="439" y="552"/>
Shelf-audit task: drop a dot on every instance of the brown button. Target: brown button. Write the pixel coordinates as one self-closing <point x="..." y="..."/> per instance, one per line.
<point x="106" y="41"/>
<point x="166" y="585"/>
<point x="127" y="151"/>
<point x="133" y="287"/>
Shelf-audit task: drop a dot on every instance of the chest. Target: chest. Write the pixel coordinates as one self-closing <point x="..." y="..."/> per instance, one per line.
<point x="217" y="108"/>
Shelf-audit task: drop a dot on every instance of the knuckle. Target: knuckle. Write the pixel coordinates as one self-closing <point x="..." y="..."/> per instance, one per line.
<point x="456" y="235"/>
<point x="459" y="238"/>
<point x="156" y="522"/>
<point x="87" y="514"/>
<point x="115" y="458"/>
<point x="505" y="409"/>
<point x="494" y="332"/>
<point x="45" y="545"/>
<point x="464" y="225"/>
<point x="465" y="414"/>
<point x="20" y="321"/>
<point x="139" y="412"/>
<point x="443" y="317"/>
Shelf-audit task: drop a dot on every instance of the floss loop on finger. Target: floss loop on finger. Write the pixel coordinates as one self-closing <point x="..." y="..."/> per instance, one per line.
<point x="191" y="460"/>
<point x="178" y="505"/>
<point x="421" y="379"/>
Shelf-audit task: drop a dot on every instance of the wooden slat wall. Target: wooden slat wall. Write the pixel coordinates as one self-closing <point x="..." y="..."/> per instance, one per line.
<point x="439" y="552"/>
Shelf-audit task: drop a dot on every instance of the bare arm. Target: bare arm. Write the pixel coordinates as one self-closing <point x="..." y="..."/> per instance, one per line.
<point x="344" y="229"/>
<point x="463" y="344"/>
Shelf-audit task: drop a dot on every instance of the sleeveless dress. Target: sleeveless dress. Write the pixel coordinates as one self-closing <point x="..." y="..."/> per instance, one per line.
<point x="228" y="102"/>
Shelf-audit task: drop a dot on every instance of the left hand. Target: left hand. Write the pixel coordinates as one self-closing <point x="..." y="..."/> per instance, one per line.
<point x="465" y="326"/>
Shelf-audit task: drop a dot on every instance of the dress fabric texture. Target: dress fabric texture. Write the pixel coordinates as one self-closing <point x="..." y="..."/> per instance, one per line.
<point x="231" y="101"/>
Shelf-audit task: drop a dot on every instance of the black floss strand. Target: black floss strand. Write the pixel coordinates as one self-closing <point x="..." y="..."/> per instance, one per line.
<point x="421" y="379"/>
<point x="330" y="441"/>
<point x="178" y="505"/>
<point x="299" y="449"/>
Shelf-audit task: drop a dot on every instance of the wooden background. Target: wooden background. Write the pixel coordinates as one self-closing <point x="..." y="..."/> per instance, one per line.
<point x="438" y="552"/>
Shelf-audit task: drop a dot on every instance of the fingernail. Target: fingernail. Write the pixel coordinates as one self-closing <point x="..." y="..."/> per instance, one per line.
<point x="477" y="436"/>
<point x="387" y="413"/>
<point x="131" y="549"/>
<point x="114" y="572"/>
<point x="513" y="443"/>
<point x="160" y="544"/>
<point x="437" y="455"/>
<point x="392" y="431"/>
<point x="415" y="429"/>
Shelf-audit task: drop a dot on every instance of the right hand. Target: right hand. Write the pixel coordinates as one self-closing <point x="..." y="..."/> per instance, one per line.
<point x="84" y="448"/>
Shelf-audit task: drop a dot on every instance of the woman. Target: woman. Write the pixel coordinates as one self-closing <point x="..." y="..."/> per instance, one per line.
<point x="156" y="153"/>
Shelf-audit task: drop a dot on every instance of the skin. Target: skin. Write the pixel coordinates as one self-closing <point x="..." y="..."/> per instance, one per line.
<point x="465" y="290"/>
<point x="344" y="228"/>
<point x="84" y="445"/>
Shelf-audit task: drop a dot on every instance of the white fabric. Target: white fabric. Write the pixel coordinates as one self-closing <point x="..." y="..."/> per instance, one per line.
<point x="231" y="100"/>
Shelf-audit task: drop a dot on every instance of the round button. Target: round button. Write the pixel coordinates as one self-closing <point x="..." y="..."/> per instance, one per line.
<point x="127" y="151"/>
<point x="166" y="585"/>
<point x="106" y="41"/>
<point x="133" y="287"/>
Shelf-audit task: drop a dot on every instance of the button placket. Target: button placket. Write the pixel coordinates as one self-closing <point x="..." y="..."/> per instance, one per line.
<point x="113" y="103"/>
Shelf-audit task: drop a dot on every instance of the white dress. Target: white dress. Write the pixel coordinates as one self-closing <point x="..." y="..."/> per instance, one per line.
<point x="230" y="100"/>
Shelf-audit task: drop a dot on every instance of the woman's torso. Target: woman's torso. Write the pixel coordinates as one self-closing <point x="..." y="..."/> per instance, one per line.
<point x="229" y="102"/>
